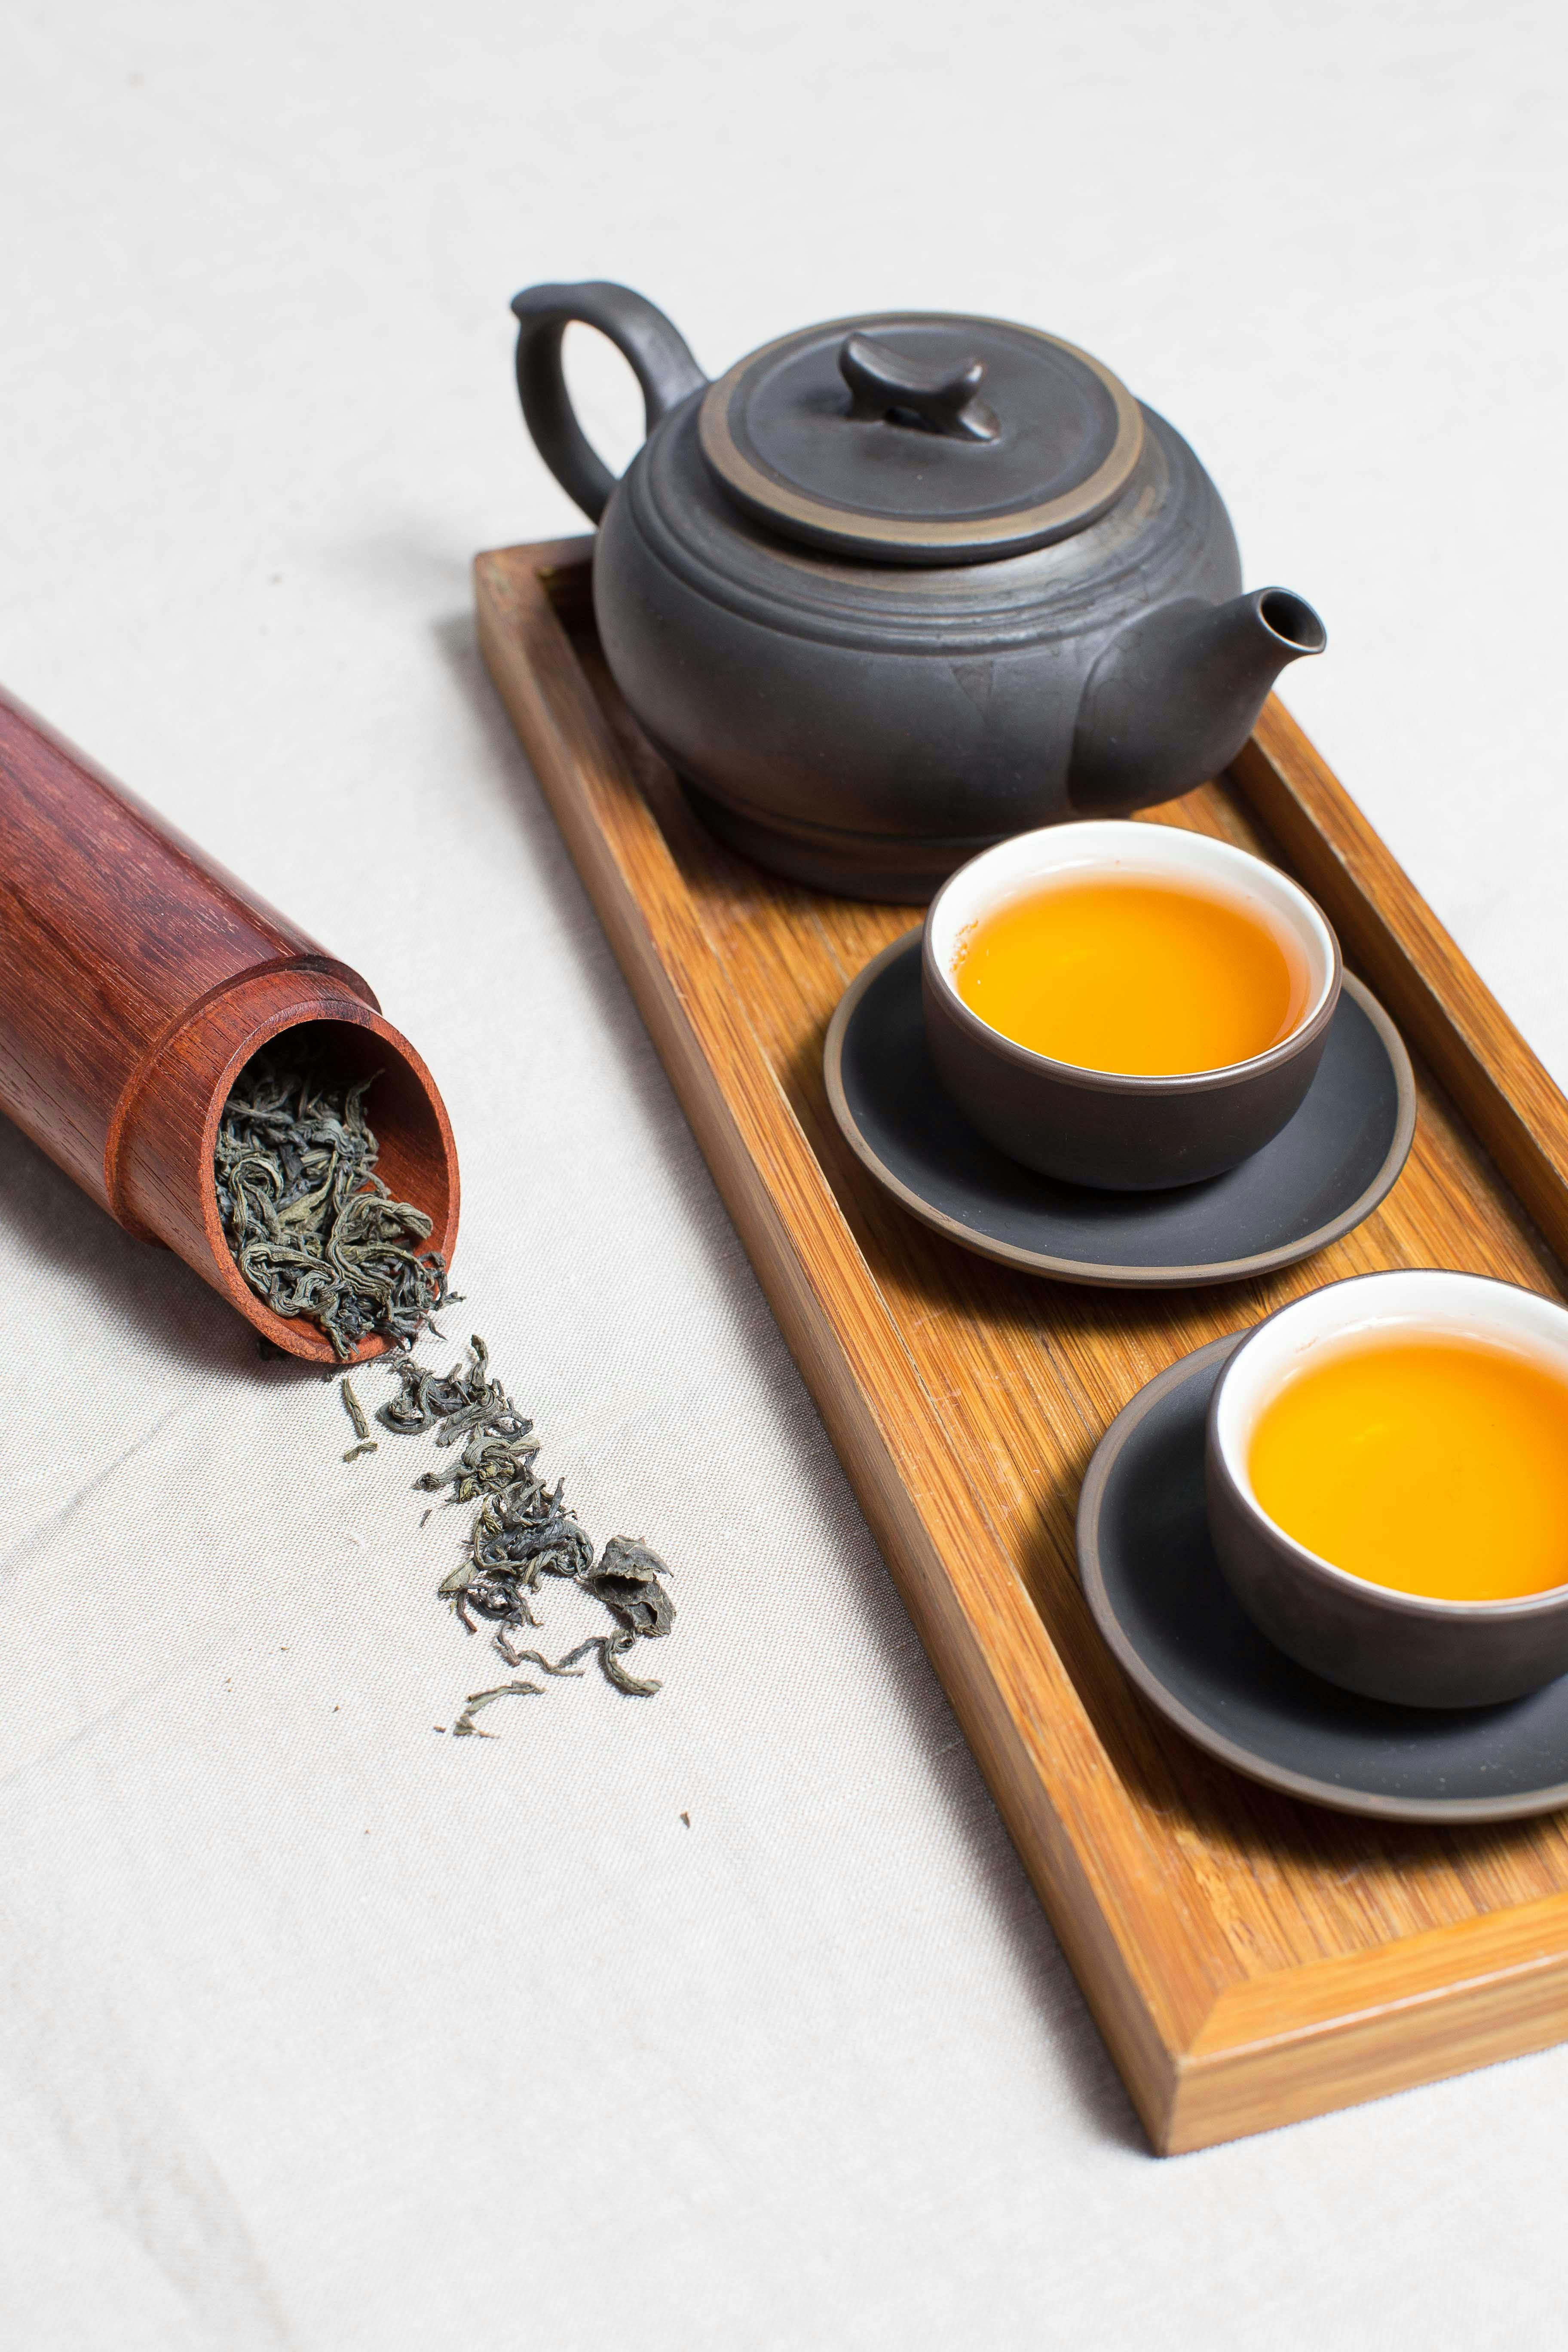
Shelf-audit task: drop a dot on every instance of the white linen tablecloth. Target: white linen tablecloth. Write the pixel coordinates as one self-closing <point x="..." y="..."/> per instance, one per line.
<point x="321" y="2030"/>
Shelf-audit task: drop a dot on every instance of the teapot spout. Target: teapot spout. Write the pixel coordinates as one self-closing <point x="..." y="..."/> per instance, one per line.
<point x="1176" y="694"/>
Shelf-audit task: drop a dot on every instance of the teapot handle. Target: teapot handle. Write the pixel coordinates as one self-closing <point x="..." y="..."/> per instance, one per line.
<point x="642" y="334"/>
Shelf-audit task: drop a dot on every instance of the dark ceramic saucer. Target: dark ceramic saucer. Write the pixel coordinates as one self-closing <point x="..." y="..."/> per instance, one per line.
<point x="1154" y="1585"/>
<point x="1321" y="1174"/>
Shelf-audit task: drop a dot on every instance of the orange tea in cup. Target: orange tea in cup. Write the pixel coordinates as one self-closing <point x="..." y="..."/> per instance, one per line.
<point x="1134" y="974"/>
<point x="1433" y="1465"/>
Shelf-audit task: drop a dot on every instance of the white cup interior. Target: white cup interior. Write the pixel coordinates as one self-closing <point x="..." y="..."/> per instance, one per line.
<point x="1103" y="847"/>
<point x="1403" y="1305"/>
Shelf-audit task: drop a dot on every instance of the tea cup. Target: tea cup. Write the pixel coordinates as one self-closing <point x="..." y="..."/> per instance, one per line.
<point x="1117" y="1130"/>
<point x="1374" y="1638"/>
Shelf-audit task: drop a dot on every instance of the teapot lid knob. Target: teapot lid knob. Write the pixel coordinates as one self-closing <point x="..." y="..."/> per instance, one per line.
<point x="944" y="398"/>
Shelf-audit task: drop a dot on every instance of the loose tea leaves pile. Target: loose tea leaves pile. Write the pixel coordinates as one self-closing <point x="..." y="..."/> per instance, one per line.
<point x="316" y="1234"/>
<point x="521" y="1531"/>
<point x="313" y="1230"/>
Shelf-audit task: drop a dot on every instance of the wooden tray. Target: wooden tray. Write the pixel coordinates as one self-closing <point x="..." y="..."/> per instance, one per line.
<point x="1249" y="1959"/>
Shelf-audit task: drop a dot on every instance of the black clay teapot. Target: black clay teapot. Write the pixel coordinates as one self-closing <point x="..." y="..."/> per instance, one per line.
<point x="897" y="586"/>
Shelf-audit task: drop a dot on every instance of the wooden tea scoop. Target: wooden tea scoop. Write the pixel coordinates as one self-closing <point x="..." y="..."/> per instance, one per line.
<point x="136" y="980"/>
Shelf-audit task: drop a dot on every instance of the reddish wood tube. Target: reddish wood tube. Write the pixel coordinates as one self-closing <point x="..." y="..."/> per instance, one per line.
<point x="136" y="980"/>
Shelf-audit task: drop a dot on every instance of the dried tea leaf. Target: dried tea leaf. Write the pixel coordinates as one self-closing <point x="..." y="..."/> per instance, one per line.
<point x="535" y="1658"/>
<point x="626" y="1579"/>
<point x="425" y="1396"/>
<point x="467" y="1729"/>
<point x="615" y="1648"/>
<point x="370" y="1447"/>
<point x="487" y="1465"/>
<point x="553" y="1547"/>
<point x="611" y="1648"/>
<point x="354" y="1408"/>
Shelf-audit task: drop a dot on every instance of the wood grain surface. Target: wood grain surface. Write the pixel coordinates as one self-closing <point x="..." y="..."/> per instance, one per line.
<point x="1250" y="1960"/>
<point x="137" y="978"/>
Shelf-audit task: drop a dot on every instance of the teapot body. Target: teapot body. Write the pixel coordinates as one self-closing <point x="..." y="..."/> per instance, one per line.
<point x="895" y="588"/>
<point x="865" y="728"/>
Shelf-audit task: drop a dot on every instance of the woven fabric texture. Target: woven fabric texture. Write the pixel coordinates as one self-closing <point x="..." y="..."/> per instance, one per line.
<point x="320" y="2030"/>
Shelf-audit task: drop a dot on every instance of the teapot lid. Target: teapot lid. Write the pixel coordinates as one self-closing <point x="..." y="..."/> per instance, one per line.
<point x="921" y="436"/>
